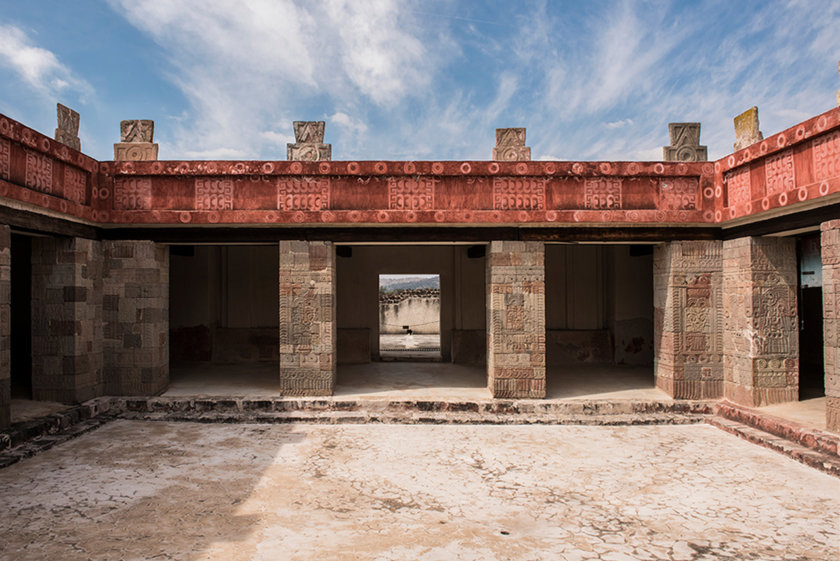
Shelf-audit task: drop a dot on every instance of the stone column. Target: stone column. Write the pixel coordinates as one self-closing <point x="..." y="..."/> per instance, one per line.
<point x="516" y="319"/>
<point x="761" y="331"/>
<point x="5" y="321"/>
<point x="307" y="318"/>
<point x="66" y="319"/>
<point x="831" y="321"/>
<point x="688" y="319"/>
<point x="135" y="309"/>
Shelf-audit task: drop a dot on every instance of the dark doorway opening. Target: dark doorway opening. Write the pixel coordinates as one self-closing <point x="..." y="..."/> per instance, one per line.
<point x="810" y="301"/>
<point x="20" y="323"/>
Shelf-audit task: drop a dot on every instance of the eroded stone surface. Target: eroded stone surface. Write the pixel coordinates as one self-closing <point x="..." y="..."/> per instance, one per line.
<point x="67" y="131"/>
<point x="510" y="145"/>
<point x="136" y="490"/>
<point x="746" y="128"/>
<point x="685" y="144"/>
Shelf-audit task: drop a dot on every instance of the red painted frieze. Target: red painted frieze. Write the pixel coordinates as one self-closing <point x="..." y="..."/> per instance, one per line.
<point x="797" y="165"/>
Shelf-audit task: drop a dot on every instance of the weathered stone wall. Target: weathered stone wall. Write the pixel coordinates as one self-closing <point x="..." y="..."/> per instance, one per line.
<point x="831" y="321"/>
<point x="135" y="304"/>
<point x="516" y="319"/>
<point x="421" y="314"/>
<point x="307" y="318"/>
<point x="761" y="337"/>
<point x="688" y="319"/>
<point x="66" y="319"/>
<point x="5" y="321"/>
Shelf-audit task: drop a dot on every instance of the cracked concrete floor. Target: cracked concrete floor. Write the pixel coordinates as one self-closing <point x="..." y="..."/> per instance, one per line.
<point x="152" y="490"/>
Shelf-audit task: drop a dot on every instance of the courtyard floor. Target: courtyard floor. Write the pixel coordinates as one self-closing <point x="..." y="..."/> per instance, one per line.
<point x="135" y="490"/>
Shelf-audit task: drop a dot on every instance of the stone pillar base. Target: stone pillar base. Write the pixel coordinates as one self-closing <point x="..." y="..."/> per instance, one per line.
<point x="831" y="321"/>
<point x="516" y="319"/>
<point x="761" y="336"/>
<point x="688" y="319"/>
<point x="307" y="318"/>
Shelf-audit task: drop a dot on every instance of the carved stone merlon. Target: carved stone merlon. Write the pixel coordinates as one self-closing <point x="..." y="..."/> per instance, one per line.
<point x="67" y="131"/>
<point x="309" y="143"/>
<point x="838" y="91"/>
<point x="136" y="144"/>
<point x="746" y="129"/>
<point x="510" y="145"/>
<point x="685" y="144"/>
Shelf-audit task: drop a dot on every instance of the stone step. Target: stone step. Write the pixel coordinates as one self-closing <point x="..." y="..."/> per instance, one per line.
<point x="829" y="463"/>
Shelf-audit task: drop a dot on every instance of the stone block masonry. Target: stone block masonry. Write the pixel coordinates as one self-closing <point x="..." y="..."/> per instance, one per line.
<point x="516" y="319"/>
<point x="831" y="321"/>
<point x="761" y="332"/>
<point x="688" y="319"/>
<point x="66" y="319"/>
<point x="5" y="320"/>
<point x="135" y="309"/>
<point x="307" y="318"/>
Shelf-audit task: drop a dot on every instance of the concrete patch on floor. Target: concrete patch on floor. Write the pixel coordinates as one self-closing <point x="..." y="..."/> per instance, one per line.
<point x="147" y="490"/>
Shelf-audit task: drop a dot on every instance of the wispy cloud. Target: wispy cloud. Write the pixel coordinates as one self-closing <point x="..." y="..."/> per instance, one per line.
<point x="39" y="68"/>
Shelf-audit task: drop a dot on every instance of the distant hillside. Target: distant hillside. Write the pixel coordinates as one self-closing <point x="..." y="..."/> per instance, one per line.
<point x="408" y="283"/>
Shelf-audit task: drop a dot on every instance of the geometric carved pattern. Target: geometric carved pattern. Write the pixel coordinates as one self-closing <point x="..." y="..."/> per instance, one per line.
<point x="411" y="194"/>
<point x="738" y="186"/>
<point x="133" y="194"/>
<point x="518" y="194"/>
<point x="680" y="193"/>
<point x="685" y="144"/>
<point x="309" y="142"/>
<point x="303" y="194"/>
<point x="510" y="145"/>
<point x="74" y="185"/>
<point x="602" y="193"/>
<point x="67" y="131"/>
<point x="5" y="159"/>
<point x="827" y="156"/>
<point x="38" y="172"/>
<point x="213" y="194"/>
<point x="778" y="170"/>
<point x="137" y="130"/>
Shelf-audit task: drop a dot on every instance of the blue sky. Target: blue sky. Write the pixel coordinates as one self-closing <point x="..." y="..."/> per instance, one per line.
<point x="425" y="79"/>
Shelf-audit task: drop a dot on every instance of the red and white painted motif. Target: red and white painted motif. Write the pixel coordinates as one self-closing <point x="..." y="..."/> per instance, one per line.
<point x="213" y="194"/>
<point x="405" y="193"/>
<point x="133" y="194"/>
<point x="38" y="172"/>
<point x="74" y="185"/>
<point x="602" y="193"/>
<point x="303" y="193"/>
<point x="5" y="158"/>
<point x="679" y="193"/>
<point x="827" y="156"/>
<point x="738" y="186"/>
<point x="518" y="194"/>
<point x="779" y="173"/>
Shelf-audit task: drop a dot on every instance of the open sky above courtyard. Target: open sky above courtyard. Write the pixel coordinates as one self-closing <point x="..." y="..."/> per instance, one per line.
<point x="425" y="79"/>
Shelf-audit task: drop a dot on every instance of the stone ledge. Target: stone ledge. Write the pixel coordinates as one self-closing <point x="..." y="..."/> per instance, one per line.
<point x="814" y="439"/>
<point x="828" y="463"/>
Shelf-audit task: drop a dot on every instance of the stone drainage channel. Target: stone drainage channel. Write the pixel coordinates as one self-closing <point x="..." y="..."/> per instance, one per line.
<point x="812" y="447"/>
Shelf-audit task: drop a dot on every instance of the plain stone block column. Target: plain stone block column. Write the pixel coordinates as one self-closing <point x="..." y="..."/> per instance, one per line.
<point x="66" y="319"/>
<point x="831" y="321"/>
<point x="516" y="319"/>
<point x="135" y="309"/>
<point x="5" y="325"/>
<point x="688" y="319"/>
<point x="307" y="318"/>
<point x="761" y="331"/>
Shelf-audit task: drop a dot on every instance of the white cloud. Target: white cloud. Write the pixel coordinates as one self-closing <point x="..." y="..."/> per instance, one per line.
<point x="242" y="64"/>
<point x="618" y="124"/>
<point x="36" y="66"/>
